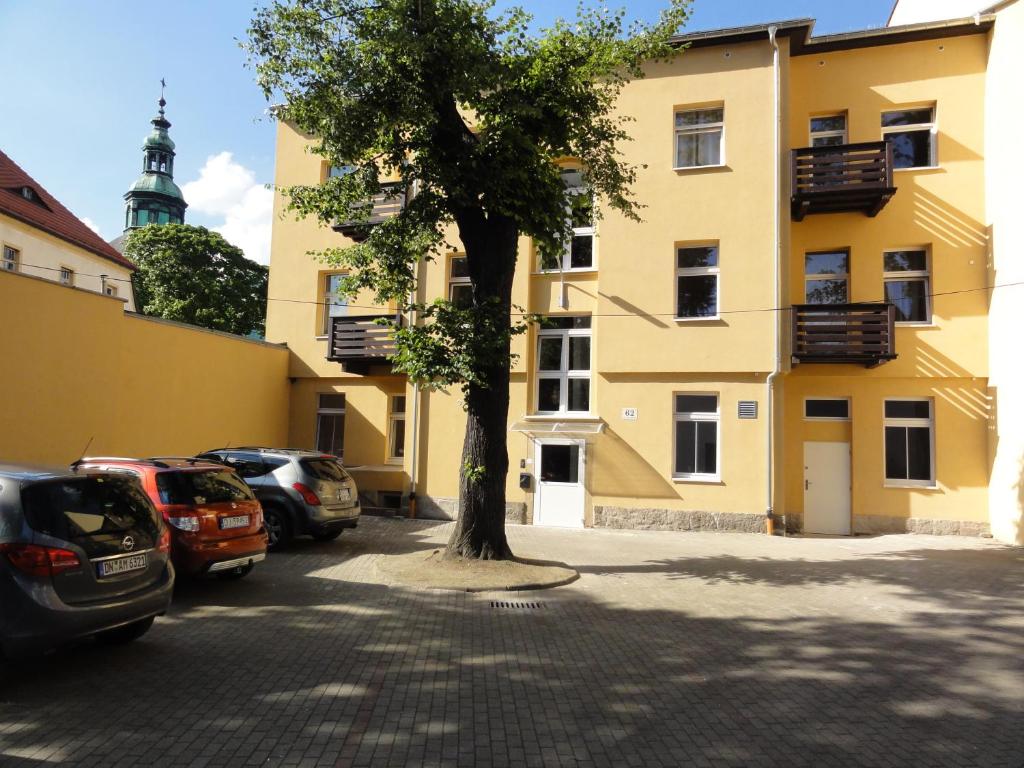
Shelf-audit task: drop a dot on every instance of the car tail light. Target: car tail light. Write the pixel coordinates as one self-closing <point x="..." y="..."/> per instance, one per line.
<point x="40" y="561"/>
<point x="307" y="494"/>
<point x="188" y="523"/>
<point x="164" y="542"/>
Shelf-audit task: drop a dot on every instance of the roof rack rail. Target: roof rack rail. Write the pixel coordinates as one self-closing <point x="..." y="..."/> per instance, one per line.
<point x="189" y="459"/>
<point x="89" y="459"/>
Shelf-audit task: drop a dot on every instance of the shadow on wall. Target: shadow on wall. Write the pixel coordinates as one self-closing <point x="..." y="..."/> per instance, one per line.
<point x="944" y="222"/>
<point x="362" y="673"/>
<point x="620" y="471"/>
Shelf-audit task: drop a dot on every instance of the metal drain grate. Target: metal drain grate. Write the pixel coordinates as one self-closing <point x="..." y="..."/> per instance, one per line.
<point x="517" y="605"/>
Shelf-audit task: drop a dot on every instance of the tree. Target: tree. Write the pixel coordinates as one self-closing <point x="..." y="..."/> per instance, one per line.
<point x="193" y="275"/>
<point x="477" y="112"/>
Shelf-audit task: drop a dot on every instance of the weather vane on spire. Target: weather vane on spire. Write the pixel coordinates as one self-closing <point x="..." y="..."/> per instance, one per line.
<point x="162" y="102"/>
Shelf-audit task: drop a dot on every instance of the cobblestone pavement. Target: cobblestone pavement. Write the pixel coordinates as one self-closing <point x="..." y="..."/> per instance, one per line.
<point x="672" y="649"/>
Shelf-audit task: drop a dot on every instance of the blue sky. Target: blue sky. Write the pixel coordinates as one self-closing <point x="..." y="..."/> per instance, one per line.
<point x="81" y="81"/>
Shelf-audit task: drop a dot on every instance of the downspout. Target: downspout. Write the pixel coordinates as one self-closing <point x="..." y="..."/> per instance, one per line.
<point x="777" y="255"/>
<point x="414" y="457"/>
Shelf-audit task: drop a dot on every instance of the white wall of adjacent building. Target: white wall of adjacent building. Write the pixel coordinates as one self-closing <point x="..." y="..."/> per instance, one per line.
<point x="916" y="11"/>
<point x="43" y="255"/>
<point x="1004" y="116"/>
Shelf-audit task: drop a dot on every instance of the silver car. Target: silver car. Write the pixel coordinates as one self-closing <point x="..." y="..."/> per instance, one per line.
<point x="82" y="553"/>
<point x="302" y="492"/>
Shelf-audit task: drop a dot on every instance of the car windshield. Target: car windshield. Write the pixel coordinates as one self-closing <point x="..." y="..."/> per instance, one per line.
<point x="325" y="469"/>
<point x="201" y="487"/>
<point x="89" y="507"/>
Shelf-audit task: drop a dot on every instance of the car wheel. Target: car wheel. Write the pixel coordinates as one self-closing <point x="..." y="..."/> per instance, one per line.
<point x="327" y="535"/>
<point x="236" y="573"/>
<point x="279" y="530"/>
<point x="126" y="633"/>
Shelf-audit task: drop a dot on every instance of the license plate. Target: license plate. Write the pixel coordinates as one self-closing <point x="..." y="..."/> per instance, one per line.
<point x="237" y="521"/>
<point x="343" y="494"/>
<point x="121" y="565"/>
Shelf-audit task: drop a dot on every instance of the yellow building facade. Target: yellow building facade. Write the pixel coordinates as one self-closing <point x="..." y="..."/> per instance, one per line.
<point x="798" y="328"/>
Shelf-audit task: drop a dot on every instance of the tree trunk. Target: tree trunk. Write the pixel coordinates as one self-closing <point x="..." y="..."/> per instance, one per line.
<point x="491" y="257"/>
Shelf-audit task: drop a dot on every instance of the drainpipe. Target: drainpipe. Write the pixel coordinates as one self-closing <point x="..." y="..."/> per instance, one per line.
<point x="777" y="246"/>
<point x="414" y="457"/>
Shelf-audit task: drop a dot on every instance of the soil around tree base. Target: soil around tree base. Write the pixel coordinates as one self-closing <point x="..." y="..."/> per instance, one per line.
<point x="430" y="569"/>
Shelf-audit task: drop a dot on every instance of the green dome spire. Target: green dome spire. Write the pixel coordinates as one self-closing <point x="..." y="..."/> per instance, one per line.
<point x="154" y="198"/>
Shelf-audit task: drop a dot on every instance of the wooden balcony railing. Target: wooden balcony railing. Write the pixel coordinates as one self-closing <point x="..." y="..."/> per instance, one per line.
<point x="387" y="203"/>
<point x="842" y="178"/>
<point x="844" y="333"/>
<point x="358" y="342"/>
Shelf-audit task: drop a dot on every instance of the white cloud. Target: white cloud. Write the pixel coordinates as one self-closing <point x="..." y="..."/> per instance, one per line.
<point x="91" y="225"/>
<point x="228" y="190"/>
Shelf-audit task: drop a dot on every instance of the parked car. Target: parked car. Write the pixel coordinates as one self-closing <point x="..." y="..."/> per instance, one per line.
<point x="302" y="492"/>
<point x="216" y="522"/>
<point x="82" y="554"/>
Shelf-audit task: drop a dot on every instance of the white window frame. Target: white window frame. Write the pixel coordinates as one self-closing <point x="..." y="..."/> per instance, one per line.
<point x="453" y="281"/>
<point x="11" y="259"/>
<point x="110" y="290"/>
<point x="931" y="127"/>
<point x="326" y="411"/>
<point x="66" y="276"/>
<point x="698" y="416"/>
<point x="325" y="322"/>
<point x="915" y="422"/>
<point x="565" y="265"/>
<point x="394" y="417"/>
<point x="844" y="276"/>
<point x="847" y="417"/>
<point x="682" y="272"/>
<point x="564" y="374"/>
<point x="843" y="134"/>
<point x="908" y="275"/>
<point x="689" y="130"/>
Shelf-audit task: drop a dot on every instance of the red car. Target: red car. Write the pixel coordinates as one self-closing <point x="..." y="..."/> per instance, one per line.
<point x="215" y="521"/>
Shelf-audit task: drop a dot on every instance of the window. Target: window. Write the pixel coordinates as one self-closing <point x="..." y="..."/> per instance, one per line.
<point x="460" y="290"/>
<point x="11" y="259"/>
<point x="828" y="130"/>
<point x="697" y="282"/>
<point x="699" y="137"/>
<point x="826" y="277"/>
<point x="912" y="133"/>
<point x="906" y="285"/>
<point x="696" y="437"/>
<point x="827" y="409"/>
<point x="563" y="365"/>
<point x="110" y="290"/>
<point x="578" y="253"/>
<point x="396" y="430"/>
<point x="335" y="304"/>
<point x="909" y="456"/>
<point x="330" y="424"/>
<point x="67" y="276"/>
<point x="337" y="171"/>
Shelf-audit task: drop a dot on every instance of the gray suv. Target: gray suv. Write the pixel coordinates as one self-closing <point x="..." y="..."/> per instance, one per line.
<point x="302" y="492"/>
<point x="82" y="554"/>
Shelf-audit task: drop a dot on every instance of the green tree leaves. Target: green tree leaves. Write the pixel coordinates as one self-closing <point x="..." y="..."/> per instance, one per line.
<point x="193" y="275"/>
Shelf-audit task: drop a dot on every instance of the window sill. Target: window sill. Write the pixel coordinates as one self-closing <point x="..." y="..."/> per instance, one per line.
<point x="322" y="338"/>
<point x="711" y="319"/>
<point x="556" y="416"/>
<point x="698" y="480"/>
<point x="699" y="168"/>
<point x="911" y="485"/>
<point x="911" y="324"/>
<point x="578" y="271"/>
<point x="918" y="168"/>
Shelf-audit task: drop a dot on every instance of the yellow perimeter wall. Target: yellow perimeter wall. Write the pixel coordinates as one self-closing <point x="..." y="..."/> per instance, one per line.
<point x="78" y="368"/>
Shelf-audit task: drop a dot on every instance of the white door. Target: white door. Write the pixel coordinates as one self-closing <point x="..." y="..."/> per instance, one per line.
<point x="560" y="468"/>
<point x="827" y="488"/>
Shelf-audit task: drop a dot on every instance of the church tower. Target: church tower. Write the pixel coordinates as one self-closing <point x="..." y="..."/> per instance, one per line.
<point x="154" y="198"/>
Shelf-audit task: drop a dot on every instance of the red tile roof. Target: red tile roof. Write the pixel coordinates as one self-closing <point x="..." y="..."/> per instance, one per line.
<point x="46" y="213"/>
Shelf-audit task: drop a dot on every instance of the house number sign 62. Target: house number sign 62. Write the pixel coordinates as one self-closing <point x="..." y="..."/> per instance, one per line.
<point x="629" y="414"/>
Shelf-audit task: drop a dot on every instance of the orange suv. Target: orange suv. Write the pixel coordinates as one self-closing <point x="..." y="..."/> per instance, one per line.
<point x="215" y="521"/>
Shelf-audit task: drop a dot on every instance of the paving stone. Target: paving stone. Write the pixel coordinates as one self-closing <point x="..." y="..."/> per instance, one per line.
<point x="673" y="648"/>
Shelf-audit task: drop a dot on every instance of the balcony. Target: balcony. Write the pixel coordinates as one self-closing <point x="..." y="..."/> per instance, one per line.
<point x="359" y="342"/>
<point x="841" y="179"/>
<point x="385" y="204"/>
<point x="861" y="334"/>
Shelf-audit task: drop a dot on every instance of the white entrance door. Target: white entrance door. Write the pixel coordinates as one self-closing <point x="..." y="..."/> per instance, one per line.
<point x="827" y="488"/>
<point x="560" y="469"/>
